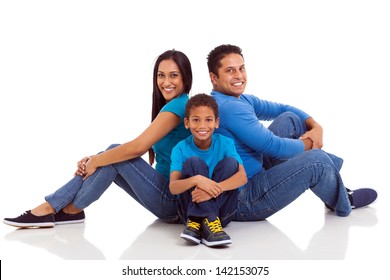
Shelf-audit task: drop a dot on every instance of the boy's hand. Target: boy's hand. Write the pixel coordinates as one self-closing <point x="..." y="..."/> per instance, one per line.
<point x="199" y="195"/>
<point x="209" y="186"/>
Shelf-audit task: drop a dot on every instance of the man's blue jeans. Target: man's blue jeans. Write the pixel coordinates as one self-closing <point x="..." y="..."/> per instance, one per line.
<point x="224" y="206"/>
<point x="281" y="182"/>
<point x="135" y="176"/>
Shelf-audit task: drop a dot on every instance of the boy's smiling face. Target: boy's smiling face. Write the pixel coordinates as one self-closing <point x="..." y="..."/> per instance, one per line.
<point x="202" y="123"/>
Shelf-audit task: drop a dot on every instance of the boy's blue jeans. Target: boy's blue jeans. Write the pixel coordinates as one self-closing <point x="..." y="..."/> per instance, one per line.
<point x="224" y="206"/>
<point x="135" y="176"/>
<point x="281" y="182"/>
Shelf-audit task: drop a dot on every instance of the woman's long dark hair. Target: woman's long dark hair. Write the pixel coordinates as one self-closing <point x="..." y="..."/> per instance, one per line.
<point x="159" y="101"/>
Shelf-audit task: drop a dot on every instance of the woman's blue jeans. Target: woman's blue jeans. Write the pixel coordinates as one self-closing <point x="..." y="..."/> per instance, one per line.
<point x="281" y="182"/>
<point x="224" y="206"/>
<point x="135" y="176"/>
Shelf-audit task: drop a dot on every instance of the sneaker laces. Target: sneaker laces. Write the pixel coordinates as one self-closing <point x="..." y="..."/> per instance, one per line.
<point x="25" y="213"/>
<point x="215" y="226"/>
<point x="193" y="224"/>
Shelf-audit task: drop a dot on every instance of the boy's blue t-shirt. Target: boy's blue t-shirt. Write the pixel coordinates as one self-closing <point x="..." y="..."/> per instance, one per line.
<point x="220" y="148"/>
<point x="163" y="148"/>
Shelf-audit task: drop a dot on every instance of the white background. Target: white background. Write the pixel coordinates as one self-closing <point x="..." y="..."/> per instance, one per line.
<point x="76" y="76"/>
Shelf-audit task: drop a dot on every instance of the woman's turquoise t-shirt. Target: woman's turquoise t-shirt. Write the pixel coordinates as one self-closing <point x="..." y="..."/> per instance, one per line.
<point x="163" y="148"/>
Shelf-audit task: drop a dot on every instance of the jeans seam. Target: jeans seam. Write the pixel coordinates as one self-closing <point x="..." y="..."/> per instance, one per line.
<point x="275" y="188"/>
<point x="147" y="180"/>
<point x="83" y="190"/>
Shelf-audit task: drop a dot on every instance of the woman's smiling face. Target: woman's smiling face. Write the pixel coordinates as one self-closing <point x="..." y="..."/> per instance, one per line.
<point x="169" y="79"/>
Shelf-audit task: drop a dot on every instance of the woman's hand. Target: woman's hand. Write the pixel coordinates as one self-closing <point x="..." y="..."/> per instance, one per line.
<point x="81" y="166"/>
<point x="90" y="167"/>
<point x="86" y="167"/>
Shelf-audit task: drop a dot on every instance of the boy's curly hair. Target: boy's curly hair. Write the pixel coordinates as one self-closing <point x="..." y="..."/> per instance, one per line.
<point x="201" y="99"/>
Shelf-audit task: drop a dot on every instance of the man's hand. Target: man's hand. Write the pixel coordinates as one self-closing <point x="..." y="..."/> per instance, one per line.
<point x="314" y="133"/>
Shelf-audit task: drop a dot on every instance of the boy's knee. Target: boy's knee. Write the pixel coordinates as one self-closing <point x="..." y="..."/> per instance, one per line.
<point x="227" y="166"/>
<point x="194" y="161"/>
<point x="194" y="166"/>
<point x="229" y="161"/>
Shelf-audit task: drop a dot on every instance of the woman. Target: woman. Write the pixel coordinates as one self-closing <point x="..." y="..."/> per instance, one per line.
<point x="122" y="164"/>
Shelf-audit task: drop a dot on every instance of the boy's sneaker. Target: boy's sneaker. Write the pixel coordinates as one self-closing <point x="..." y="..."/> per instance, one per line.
<point x="192" y="232"/>
<point x="62" y="218"/>
<point x="213" y="235"/>
<point x="361" y="197"/>
<point x="29" y="220"/>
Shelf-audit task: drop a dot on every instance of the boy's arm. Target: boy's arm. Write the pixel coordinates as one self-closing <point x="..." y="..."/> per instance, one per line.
<point x="234" y="182"/>
<point x="178" y="185"/>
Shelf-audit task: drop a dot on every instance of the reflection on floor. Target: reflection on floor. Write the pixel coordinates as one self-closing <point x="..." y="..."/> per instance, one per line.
<point x="293" y="234"/>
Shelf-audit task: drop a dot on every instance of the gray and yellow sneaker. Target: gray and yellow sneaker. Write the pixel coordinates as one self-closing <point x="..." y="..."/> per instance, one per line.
<point x="192" y="232"/>
<point x="212" y="233"/>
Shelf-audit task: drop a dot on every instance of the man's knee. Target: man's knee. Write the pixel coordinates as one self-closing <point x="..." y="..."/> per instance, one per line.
<point x="317" y="155"/>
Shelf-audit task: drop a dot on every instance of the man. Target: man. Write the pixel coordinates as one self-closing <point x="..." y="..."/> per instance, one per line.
<point x="283" y="160"/>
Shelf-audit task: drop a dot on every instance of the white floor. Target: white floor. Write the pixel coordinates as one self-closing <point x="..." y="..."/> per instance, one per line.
<point x="303" y="231"/>
<point x="293" y="235"/>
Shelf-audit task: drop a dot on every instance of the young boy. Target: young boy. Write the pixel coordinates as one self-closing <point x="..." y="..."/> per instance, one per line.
<point x="206" y="170"/>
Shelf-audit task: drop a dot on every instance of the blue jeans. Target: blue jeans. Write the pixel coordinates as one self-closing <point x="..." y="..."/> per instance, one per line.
<point x="135" y="176"/>
<point x="224" y="206"/>
<point x="281" y="182"/>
